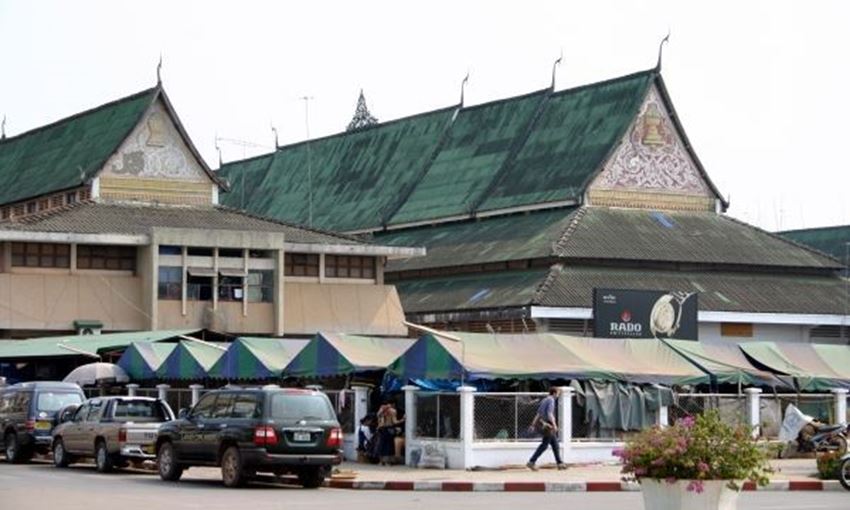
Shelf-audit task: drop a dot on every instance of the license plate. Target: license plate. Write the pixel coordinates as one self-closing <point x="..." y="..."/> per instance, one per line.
<point x="301" y="436"/>
<point x="149" y="449"/>
<point x="42" y="425"/>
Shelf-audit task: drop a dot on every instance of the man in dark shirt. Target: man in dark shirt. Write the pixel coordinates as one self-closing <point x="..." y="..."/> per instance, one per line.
<point x="546" y="423"/>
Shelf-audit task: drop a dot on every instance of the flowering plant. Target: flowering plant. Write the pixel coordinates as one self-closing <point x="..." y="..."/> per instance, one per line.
<point x="696" y="449"/>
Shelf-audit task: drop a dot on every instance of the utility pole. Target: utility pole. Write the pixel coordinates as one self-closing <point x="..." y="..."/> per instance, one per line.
<point x="307" y="100"/>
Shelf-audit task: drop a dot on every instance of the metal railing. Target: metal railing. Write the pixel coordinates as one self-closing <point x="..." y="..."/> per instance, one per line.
<point x="505" y="417"/>
<point x="437" y="415"/>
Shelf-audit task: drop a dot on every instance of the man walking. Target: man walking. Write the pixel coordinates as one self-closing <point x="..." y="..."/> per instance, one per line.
<point x="546" y="424"/>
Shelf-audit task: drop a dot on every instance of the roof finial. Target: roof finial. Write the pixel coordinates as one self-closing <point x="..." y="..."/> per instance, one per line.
<point x="3" y="128"/>
<point x="555" y="67"/>
<point x="218" y="149"/>
<point x="463" y="87"/>
<point x="158" y="70"/>
<point x="276" y="145"/>
<point x="661" y="49"/>
<point x="362" y="117"/>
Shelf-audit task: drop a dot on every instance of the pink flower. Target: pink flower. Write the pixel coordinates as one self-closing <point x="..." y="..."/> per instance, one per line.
<point x="640" y="471"/>
<point x="670" y="479"/>
<point x="687" y="421"/>
<point x="702" y="467"/>
<point x="696" y="486"/>
<point x="618" y="452"/>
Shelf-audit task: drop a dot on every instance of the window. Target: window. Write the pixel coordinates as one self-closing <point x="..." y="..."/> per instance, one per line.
<point x="71" y="197"/>
<point x="261" y="286"/>
<point x="95" y="410"/>
<point x="40" y="255"/>
<point x="347" y="266"/>
<point x="31" y="207"/>
<point x="122" y="258"/>
<point x="19" y="210"/>
<point x="53" y="401"/>
<point x="300" y="264"/>
<point x="140" y="411"/>
<point x="170" y="285"/>
<point x="199" y="252"/>
<point x="223" y="405"/>
<point x="56" y="201"/>
<point x="246" y="405"/>
<point x="81" y="413"/>
<point x="199" y="288"/>
<point x="43" y="204"/>
<point x="230" y="288"/>
<point x="230" y="253"/>
<point x="204" y="406"/>
<point x="259" y="254"/>
<point x="6" y="212"/>
<point x="737" y="329"/>
<point x="289" y="407"/>
<point x="170" y="250"/>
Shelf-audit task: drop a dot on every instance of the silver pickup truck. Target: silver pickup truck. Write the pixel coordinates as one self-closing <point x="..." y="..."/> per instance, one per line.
<point x="112" y="430"/>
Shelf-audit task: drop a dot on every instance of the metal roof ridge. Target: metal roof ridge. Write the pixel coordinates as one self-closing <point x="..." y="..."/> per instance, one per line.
<point x="293" y="225"/>
<point x="812" y="229"/>
<point x="578" y="215"/>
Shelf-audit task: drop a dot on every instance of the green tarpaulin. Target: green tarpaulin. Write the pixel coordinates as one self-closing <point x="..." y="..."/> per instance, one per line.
<point x="544" y="356"/>
<point x="804" y="362"/>
<point x="724" y="361"/>
<point x="256" y="358"/>
<point x="190" y="360"/>
<point x="59" y="346"/>
<point x="330" y="354"/>
<point x="141" y="360"/>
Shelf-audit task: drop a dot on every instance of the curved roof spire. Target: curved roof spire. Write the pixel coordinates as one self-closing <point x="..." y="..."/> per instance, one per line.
<point x="362" y="117"/>
<point x="661" y="49"/>
<point x="555" y="68"/>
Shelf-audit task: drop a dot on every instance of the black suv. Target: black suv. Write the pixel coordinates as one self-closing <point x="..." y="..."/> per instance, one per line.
<point x="244" y="431"/>
<point x="28" y="414"/>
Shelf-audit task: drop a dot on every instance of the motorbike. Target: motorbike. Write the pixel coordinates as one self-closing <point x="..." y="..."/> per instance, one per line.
<point x="812" y="435"/>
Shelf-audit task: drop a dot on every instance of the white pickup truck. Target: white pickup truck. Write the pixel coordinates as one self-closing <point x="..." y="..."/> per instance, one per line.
<point x="112" y="430"/>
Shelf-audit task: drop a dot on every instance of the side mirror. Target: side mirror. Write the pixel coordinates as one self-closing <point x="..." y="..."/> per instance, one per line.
<point x="183" y="414"/>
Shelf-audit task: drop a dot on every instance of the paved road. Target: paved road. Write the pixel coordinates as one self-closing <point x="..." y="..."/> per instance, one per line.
<point x="41" y="486"/>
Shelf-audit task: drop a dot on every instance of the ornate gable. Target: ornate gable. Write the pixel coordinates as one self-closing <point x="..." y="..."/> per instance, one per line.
<point x="155" y="165"/>
<point x="651" y="167"/>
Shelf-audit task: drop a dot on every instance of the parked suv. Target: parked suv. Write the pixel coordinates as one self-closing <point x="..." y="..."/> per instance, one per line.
<point x="28" y="413"/>
<point x="112" y="430"/>
<point x="244" y="431"/>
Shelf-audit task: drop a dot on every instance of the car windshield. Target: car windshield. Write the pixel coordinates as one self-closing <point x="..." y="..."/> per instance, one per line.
<point x="294" y="407"/>
<point x="140" y="410"/>
<point x="52" y="401"/>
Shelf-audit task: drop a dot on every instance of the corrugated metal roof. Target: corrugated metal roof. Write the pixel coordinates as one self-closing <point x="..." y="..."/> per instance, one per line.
<point x="829" y="240"/>
<point x="63" y="154"/>
<point x="52" y="346"/>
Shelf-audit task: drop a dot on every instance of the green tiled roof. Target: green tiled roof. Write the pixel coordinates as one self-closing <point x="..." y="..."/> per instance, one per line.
<point x="357" y="177"/>
<point x="515" y="237"/>
<point x="521" y="151"/>
<point x="568" y="144"/>
<point x="477" y="147"/>
<point x="831" y="240"/>
<point x="64" y="154"/>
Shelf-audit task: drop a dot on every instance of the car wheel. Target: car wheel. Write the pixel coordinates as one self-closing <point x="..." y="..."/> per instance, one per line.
<point x="844" y="473"/>
<point x="311" y="477"/>
<point x="169" y="469"/>
<point x="61" y="458"/>
<point x="15" y="453"/>
<point x="102" y="459"/>
<point x="232" y="471"/>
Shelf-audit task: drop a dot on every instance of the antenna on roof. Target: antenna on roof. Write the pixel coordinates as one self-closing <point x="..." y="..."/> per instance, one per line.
<point x="661" y="49"/>
<point x="158" y="70"/>
<point x="306" y="100"/>
<point x="463" y="87"/>
<point x="276" y="145"/>
<point x="555" y="67"/>
<point x="3" y="129"/>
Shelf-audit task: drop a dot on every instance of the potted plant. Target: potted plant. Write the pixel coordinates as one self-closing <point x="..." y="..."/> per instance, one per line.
<point x="697" y="463"/>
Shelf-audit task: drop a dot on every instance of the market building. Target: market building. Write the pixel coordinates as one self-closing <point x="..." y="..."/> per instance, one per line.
<point x="528" y="204"/>
<point x="110" y="220"/>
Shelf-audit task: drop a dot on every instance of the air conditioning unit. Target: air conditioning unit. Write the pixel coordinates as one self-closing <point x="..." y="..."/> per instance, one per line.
<point x="88" y="327"/>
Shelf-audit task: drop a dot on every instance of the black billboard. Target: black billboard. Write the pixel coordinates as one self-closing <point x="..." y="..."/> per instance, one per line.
<point x="620" y="313"/>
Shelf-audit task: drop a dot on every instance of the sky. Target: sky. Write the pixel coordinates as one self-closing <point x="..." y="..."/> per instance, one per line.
<point x="760" y="86"/>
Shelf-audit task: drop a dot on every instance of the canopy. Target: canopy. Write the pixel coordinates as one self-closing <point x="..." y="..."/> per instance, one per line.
<point x="96" y="373"/>
<point x="256" y="358"/>
<point x="77" y="345"/>
<point x="544" y="356"/>
<point x="803" y="362"/>
<point x="724" y="361"/>
<point x="329" y="354"/>
<point x="190" y="360"/>
<point x="141" y="360"/>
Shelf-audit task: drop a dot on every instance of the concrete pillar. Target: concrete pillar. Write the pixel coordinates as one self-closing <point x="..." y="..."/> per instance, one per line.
<point x="409" y="419"/>
<point x="162" y="391"/>
<point x="754" y="410"/>
<point x="662" y="417"/>
<point x="131" y="389"/>
<point x="467" y="424"/>
<point x="840" y="404"/>
<point x="196" y="392"/>
<point x="565" y="420"/>
<point x="361" y="405"/>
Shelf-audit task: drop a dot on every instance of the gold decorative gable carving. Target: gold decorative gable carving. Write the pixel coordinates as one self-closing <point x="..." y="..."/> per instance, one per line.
<point x="651" y="167"/>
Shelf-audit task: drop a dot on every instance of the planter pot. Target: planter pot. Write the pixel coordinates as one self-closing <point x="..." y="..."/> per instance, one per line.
<point x="660" y="495"/>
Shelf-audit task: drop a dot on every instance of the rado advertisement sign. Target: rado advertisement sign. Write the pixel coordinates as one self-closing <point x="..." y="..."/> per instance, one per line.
<point x="619" y="313"/>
